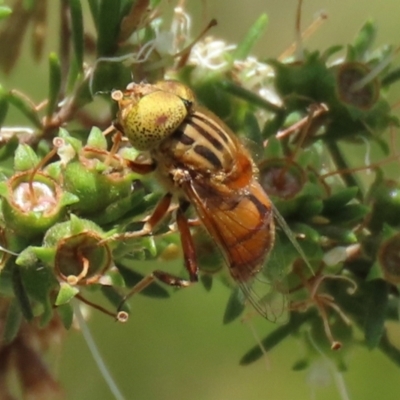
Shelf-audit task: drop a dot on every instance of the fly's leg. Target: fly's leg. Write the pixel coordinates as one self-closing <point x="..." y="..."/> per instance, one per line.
<point x="189" y="255"/>
<point x="140" y="168"/>
<point x="158" y="214"/>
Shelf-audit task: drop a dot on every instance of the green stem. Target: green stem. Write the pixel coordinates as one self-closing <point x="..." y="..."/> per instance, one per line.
<point x="341" y="164"/>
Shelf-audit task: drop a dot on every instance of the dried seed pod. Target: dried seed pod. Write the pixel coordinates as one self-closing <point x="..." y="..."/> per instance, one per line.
<point x="77" y="255"/>
<point x="282" y="178"/>
<point x="389" y="259"/>
<point x="348" y="76"/>
<point x="33" y="203"/>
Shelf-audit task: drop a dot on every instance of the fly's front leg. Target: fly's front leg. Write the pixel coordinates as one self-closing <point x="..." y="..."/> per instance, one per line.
<point x="138" y="167"/>
<point x="158" y="214"/>
<point x="141" y="169"/>
<point x="189" y="255"/>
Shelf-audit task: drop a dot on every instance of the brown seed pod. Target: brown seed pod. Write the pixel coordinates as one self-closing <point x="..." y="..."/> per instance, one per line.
<point x="282" y="178"/>
<point x="389" y="259"/>
<point x="347" y="78"/>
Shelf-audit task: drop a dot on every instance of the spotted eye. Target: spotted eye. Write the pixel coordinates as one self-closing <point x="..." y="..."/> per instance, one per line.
<point x="149" y="120"/>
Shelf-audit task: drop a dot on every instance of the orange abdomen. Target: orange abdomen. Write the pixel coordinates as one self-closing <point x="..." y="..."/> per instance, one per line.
<point x="242" y="225"/>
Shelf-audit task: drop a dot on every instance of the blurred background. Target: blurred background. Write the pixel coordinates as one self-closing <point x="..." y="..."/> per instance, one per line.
<point x="178" y="348"/>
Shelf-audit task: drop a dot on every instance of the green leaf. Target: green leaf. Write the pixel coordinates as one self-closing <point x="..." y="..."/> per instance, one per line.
<point x="25" y="158"/>
<point x="131" y="205"/>
<point x="29" y="5"/>
<point x="97" y="139"/>
<point x="94" y="10"/>
<point x="9" y="148"/>
<point x="301" y="365"/>
<point x="340" y="199"/>
<point x="275" y="337"/>
<point x="349" y="214"/>
<point x="4" y="190"/>
<point x="66" y="293"/>
<point x="253" y="133"/>
<point x="66" y="313"/>
<point x="375" y="272"/>
<point x="46" y="255"/>
<point x="249" y="96"/>
<point x="115" y="298"/>
<point x="12" y="322"/>
<point x="364" y="40"/>
<point x="272" y="126"/>
<point x="4" y="12"/>
<point x="108" y="21"/>
<point x="391" y="78"/>
<point x="377" y="303"/>
<point x="77" y="31"/>
<point x="3" y="106"/>
<point x="390" y="349"/>
<point x="39" y="281"/>
<point x="245" y="46"/>
<point x="73" y="77"/>
<point x="20" y="294"/>
<point x="26" y="108"/>
<point x="234" y="307"/>
<point x="339" y="234"/>
<point x="273" y="150"/>
<point x="67" y="199"/>
<point x="330" y="51"/>
<point x="207" y="281"/>
<point x="54" y="83"/>
<point x="301" y="82"/>
<point x="309" y="241"/>
<point x="309" y="206"/>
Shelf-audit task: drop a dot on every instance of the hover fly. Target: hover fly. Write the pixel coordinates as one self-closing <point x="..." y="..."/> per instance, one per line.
<point x="201" y="163"/>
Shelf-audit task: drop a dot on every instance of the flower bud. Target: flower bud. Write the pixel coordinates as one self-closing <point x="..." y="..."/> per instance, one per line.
<point x="98" y="179"/>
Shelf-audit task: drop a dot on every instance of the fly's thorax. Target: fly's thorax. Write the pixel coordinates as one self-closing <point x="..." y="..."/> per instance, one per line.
<point x="172" y="178"/>
<point x="202" y="143"/>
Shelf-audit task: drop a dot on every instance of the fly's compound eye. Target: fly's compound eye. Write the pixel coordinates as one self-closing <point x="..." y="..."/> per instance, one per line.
<point x="153" y="118"/>
<point x="178" y="89"/>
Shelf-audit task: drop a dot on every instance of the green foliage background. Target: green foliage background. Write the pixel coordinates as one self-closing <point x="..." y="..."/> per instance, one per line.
<point x="179" y="349"/>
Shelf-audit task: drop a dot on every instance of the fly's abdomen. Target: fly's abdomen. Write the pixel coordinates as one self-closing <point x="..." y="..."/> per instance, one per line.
<point x="250" y="234"/>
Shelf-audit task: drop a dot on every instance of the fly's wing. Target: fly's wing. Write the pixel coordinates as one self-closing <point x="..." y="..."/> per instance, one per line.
<point x="267" y="291"/>
<point x="242" y="224"/>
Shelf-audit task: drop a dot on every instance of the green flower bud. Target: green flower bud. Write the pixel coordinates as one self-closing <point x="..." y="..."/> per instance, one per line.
<point x="98" y="179"/>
